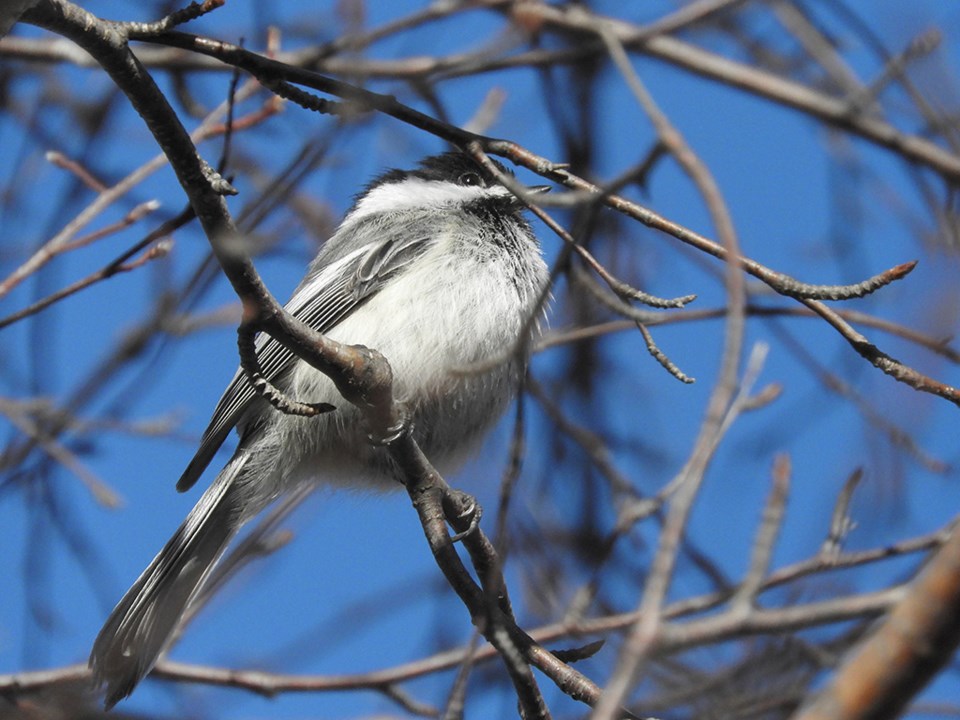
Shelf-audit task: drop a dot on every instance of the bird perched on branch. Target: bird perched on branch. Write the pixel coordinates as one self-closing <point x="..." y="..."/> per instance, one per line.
<point x="438" y="270"/>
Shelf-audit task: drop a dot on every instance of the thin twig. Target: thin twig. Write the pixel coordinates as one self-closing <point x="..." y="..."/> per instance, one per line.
<point x="770" y="524"/>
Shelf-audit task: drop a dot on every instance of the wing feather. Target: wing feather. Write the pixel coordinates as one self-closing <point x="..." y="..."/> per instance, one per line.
<point x="328" y="294"/>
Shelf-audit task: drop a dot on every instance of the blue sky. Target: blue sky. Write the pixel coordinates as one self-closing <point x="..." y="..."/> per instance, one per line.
<point x="795" y="207"/>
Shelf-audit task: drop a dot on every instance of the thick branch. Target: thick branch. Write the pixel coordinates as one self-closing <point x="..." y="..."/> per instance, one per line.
<point x="911" y="645"/>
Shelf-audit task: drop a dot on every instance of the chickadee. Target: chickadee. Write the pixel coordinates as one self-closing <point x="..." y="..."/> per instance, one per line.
<point x="438" y="270"/>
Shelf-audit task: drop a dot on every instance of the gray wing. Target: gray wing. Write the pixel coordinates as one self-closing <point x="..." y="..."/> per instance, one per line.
<point x="328" y="294"/>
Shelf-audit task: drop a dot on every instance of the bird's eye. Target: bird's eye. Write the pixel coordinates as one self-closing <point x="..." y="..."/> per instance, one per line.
<point x="471" y="178"/>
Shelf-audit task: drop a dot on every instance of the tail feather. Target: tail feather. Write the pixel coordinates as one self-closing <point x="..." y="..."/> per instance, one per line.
<point x="147" y="616"/>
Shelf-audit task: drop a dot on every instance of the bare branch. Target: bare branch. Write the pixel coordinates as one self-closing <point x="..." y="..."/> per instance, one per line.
<point x="879" y="677"/>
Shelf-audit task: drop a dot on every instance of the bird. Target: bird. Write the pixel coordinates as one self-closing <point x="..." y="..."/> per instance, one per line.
<point x="438" y="269"/>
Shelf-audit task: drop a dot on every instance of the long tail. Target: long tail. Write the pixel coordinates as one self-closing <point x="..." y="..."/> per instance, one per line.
<point x="144" y="621"/>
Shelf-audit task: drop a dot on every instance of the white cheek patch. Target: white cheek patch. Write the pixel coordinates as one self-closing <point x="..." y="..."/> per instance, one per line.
<point x="418" y="193"/>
